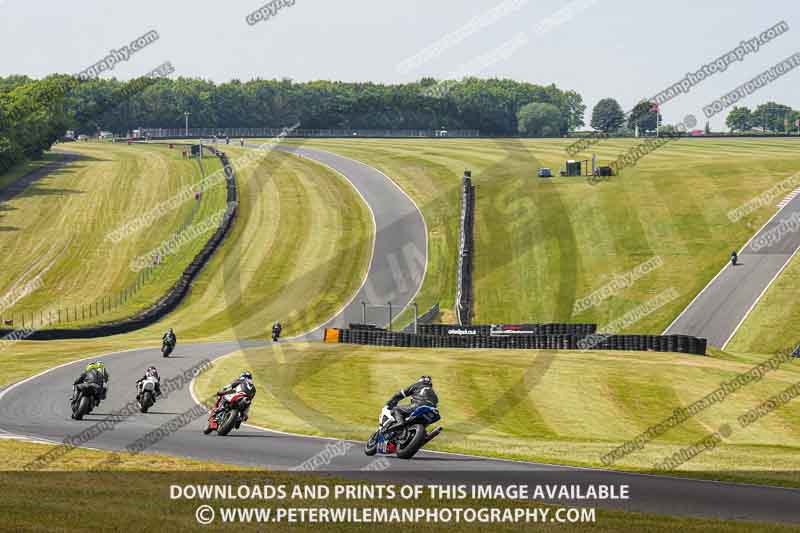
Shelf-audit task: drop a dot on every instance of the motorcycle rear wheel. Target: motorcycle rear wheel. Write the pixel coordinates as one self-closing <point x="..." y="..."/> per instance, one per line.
<point x="412" y="445"/>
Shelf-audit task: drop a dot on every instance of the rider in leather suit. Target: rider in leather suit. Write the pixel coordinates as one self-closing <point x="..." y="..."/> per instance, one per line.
<point x="97" y="374"/>
<point x="151" y="371"/>
<point x="421" y="393"/>
<point x="243" y="384"/>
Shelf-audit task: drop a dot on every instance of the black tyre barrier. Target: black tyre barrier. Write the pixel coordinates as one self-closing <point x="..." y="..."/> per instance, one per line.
<point x="465" y="258"/>
<point x="167" y="303"/>
<point x="654" y="343"/>
<point x="509" y="329"/>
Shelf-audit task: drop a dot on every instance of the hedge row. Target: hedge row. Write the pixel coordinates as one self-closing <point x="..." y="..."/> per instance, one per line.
<point x="485" y="330"/>
<point x="655" y="343"/>
<point x="169" y="301"/>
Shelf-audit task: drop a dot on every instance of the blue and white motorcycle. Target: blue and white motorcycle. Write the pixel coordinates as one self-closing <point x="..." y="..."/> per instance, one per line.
<point x="404" y="439"/>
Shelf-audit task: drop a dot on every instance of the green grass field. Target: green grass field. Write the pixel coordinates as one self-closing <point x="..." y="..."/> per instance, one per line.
<point x="285" y="248"/>
<point x="542" y="244"/>
<point x="548" y="243"/>
<point x="57" y="229"/>
<point x="21" y="169"/>
<point x="774" y="323"/>
<point x="554" y="407"/>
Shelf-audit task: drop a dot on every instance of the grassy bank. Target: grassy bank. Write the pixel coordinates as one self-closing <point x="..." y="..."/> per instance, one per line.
<point x="543" y="244"/>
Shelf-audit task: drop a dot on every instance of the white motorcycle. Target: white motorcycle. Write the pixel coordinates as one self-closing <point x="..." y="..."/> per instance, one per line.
<point x="147" y="393"/>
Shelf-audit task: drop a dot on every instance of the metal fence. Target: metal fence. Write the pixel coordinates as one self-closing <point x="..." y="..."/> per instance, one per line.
<point x="177" y="133"/>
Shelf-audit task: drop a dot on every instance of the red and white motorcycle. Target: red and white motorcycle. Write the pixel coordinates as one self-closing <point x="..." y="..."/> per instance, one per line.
<point x="228" y="412"/>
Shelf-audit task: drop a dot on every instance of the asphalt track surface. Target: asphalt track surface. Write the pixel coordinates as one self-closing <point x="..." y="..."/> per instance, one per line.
<point x="400" y="253"/>
<point x="720" y="308"/>
<point x="38" y="408"/>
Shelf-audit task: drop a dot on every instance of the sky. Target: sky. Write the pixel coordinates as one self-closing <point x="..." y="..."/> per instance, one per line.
<point x="624" y="49"/>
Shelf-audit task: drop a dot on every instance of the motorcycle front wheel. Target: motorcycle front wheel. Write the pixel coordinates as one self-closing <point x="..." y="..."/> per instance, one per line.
<point x="146" y="402"/>
<point x="227" y="423"/>
<point x="371" y="447"/>
<point x="83" y="407"/>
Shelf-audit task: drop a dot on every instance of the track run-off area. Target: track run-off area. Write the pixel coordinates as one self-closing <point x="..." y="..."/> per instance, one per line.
<point x="38" y="407"/>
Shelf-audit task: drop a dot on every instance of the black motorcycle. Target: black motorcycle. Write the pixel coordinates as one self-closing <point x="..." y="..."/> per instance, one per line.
<point x="404" y="439"/>
<point x="166" y="348"/>
<point x="84" y="398"/>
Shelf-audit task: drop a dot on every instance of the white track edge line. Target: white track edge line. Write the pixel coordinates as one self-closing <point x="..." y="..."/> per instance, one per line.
<point x="371" y="256"/>
<point x="421" y="216"/>
<point x="761" y="295"/>
<point x="727" y="264"/>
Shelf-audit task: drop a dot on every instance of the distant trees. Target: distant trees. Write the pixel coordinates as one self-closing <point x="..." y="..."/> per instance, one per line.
<point x="607" y="115"/>
<point x="490" y="106"/>
<point x="645" y="115"/>
<point x="32" y="117"/>
<point x="739" y="119"/>
<point x="34" y="113"/>
<point x="772" y="116"/>
<point x="540" y="119"/>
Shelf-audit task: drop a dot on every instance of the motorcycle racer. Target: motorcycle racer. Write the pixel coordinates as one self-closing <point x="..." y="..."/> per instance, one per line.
<point x="421" y="393"/>
<point x="150" y="372"/>
<point x="97" y="374"/>
<point x="243" y="384"/>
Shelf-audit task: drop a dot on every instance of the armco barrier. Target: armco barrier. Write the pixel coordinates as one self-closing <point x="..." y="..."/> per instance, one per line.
<point x="170" y="300"/>
<point x="655" y="343"/>
<point x="465" y="252"/>
<point x="508" y="329"/>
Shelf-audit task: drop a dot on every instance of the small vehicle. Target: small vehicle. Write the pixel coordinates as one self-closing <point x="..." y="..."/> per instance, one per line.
<point x="147" y="393"/>
<point x="166" y="348"/>
<point x="545" y="172"/>
<point x="84" y="397"/>
<point x="227" y="413"/>
<point x="404" y="439"/>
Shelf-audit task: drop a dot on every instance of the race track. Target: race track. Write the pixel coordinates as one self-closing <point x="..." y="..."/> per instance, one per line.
<point x="400" y="253"/>
<point x="721" y="307"/>
<point x="38" y="407"/>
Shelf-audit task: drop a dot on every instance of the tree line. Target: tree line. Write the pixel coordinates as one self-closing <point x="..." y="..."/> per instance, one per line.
<point x="608" y="117"/>
<point x="488" y="105"/>
<point x="36" y="113"/>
